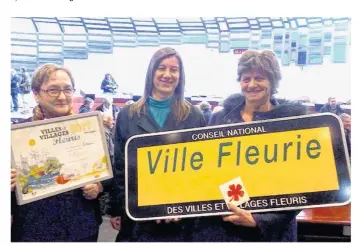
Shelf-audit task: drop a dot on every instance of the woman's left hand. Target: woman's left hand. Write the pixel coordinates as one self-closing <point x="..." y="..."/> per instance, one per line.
<point x="91" y="191"/>
<point x="240" y="217"/>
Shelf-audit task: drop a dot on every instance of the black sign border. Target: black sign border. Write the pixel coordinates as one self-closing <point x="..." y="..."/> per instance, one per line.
<point x="314" y="199"/>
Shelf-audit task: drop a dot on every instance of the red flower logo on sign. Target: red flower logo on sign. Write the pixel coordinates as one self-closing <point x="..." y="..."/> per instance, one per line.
<point x="235" y="192"/>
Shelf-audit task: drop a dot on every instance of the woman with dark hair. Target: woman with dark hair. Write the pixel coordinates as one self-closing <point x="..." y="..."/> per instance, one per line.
<point x="109" y="85"/>
<point x="161" y="108"/>
<point x="259" y="75"/>
<point x="72" y="216"/>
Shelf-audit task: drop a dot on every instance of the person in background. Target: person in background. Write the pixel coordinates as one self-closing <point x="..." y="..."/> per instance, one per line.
<point x="25" y="89"/>
<point x="72" y="216"/>
<point x="108" y="124"/>
<point x="109" y="85"/>
<point x="205" y="108"/>
<point x="218" y="108"/>
<point x="346" y="119"/>
<point x="129" y="102"/>
<point x="259" y="74"/>
<point x="161" y="108"/>
<point x="15" y="79"/>
<point x="108" y="107"/>
<point x="87" y="105"/>
<point x="332" y="107"/>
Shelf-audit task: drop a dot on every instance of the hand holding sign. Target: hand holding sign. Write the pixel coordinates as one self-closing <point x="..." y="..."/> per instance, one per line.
<point x="91" y="191"/>
<point x="168" y="220"/>
<point x="116" y="223"/>
<point x="234" y="192"/>
<point x="241" y="217"/>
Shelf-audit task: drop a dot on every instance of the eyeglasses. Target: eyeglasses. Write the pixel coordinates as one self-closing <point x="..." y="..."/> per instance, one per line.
<point x="55" y="92"/>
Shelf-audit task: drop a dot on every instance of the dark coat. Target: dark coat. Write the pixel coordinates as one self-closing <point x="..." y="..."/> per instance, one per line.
<point x="127" y="127"/>
<point x="114" y="109"/>
<point x="327" y="109"/>
<point x="277" y="226"/>
<point x="25" y="83"/>
<point x="84" y="109"/>
<point x="66" y="217"/>
<point x="348" y="141"/>
<point x="207" y="115"/>
<point x="110" y="140"/>
<point x="105" y="83"/>
<point x="15" y="79"/>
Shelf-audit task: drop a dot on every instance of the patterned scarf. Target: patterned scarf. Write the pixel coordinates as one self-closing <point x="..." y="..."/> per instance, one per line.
<point x="38" y="113"/>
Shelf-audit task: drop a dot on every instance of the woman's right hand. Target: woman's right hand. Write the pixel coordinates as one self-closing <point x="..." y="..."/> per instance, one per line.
<point x="13" y="179"/>
<point x="116" y="223"/>
<point x="168" y="220"/>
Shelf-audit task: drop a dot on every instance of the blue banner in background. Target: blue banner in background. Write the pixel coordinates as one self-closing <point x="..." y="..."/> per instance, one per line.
<point x="296" y="40"/>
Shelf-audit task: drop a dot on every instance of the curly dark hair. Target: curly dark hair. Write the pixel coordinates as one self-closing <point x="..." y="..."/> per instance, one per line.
<point x="265" y="61"/>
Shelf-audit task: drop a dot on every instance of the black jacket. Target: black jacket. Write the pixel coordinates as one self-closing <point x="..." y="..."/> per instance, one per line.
<point x="127" y="127"/>
<point x="278" y="226"/>
<point x="327" y="109"/>
<point x="84" y="109"/>
<point x="207" y="115"/>
<point x="112" y="83"/>
<point x="15" y="79"/>
<point x="25" y="83"/>
<point x="348" y="141"/>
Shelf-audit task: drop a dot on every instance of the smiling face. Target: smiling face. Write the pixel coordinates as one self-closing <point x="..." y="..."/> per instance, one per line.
<point x="256" y="87"/>
<point x="166" y="77"/>
<point x="55" y="106"/>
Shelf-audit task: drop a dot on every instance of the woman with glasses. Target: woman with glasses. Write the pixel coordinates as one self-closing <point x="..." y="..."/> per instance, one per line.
<point x="72" y="216"/>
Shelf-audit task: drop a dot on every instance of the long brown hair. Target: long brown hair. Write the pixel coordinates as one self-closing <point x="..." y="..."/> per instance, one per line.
<point x="180" y="106"/>
<point x="41" y="76"/>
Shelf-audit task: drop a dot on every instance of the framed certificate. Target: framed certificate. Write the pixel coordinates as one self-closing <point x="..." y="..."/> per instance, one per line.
<point x="57" y="155"/>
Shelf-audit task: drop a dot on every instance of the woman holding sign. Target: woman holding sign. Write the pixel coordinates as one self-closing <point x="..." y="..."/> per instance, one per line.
<point x="259" y="75"/>
<point x="72" y="216"/>
<point x="161" y="108"/>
